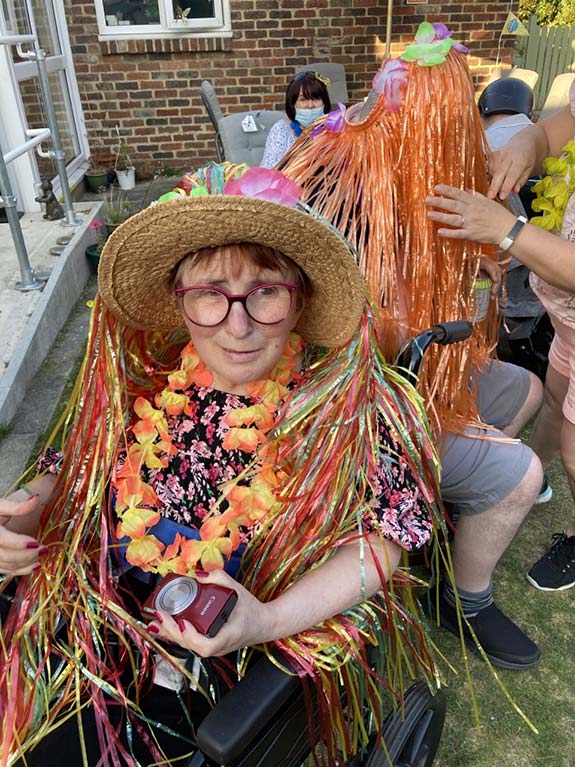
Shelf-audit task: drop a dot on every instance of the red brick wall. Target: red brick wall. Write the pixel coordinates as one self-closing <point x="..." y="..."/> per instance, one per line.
<point x="151" y="88"/>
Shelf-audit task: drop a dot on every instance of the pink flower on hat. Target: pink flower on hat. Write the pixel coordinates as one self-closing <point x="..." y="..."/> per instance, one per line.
<point x="390" y="81"/>
<point x="265" y="184"/>
<point x="334" y="121"/>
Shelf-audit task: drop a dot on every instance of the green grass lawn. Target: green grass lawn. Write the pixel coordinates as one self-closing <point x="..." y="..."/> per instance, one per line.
<point x="545" y="693"/>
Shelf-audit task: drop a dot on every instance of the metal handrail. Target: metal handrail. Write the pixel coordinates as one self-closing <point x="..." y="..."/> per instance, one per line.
<point x="38" y="136"/>
<point x="29" y="279"/>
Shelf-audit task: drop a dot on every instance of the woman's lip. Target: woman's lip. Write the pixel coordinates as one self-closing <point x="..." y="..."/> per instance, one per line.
<point x="242" y="354"/>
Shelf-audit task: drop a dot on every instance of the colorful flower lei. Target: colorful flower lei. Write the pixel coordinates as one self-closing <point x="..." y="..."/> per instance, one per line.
<point x="555" y="190"/>
<point x="136" y="503"/>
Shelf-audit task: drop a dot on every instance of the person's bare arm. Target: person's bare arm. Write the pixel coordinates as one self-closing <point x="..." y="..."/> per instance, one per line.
<point x="523" y="155"/>
<point x="324" y="592"/>
<point x="487" y="221"/>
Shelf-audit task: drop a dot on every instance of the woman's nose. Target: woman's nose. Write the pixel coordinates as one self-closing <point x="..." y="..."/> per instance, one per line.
<point x="238" y="320"/>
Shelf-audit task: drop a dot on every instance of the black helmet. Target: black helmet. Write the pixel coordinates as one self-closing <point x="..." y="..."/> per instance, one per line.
<point x="506" y="95"/>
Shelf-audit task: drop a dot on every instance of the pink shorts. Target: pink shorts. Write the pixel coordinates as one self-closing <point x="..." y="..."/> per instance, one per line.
<point x="562" y="358"/>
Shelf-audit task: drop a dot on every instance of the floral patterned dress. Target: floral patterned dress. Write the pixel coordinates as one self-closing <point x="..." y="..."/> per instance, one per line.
<point x="189" y="486"/>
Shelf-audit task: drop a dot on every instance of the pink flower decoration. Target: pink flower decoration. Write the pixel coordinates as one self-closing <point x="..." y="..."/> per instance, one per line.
<point x="334" y="122"/>
<point x="95" y="225"/>
<point x="265" y="184"/>
<point x="390" y="81"/>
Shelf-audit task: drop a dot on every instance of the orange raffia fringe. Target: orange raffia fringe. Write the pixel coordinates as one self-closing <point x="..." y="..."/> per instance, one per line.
<point x="70" y="641"/>
<point x="371" y="181"/>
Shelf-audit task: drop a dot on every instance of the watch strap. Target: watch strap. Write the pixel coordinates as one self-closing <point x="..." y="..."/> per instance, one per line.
<point x="508" y="241"/>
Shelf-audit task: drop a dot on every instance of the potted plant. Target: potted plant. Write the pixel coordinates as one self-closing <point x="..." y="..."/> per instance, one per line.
<point x="125" y="171"/>
<point x="96" y="177"/>
<point x="93" y="251"/>
<point x="116" y="208"/>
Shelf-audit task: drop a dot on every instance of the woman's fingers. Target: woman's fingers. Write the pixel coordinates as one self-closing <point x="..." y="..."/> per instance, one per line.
<point x="10" y="508"/>
<point x="472" y="215"/>
<point x="509" y="172"/>
<point x="18" y="552"/>
<point x="180" y="632"/>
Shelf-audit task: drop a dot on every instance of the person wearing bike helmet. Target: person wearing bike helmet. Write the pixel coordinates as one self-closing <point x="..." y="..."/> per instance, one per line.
<point x="506" y="107"/>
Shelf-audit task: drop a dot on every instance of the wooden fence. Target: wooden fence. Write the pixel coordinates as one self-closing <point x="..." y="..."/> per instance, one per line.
<point x="550" y="51"/>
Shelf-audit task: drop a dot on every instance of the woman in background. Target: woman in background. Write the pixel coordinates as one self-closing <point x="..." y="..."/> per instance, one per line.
<point x="307" y="99"/>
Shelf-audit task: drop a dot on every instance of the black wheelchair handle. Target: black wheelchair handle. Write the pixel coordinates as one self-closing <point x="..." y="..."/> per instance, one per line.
<point x="411" y="354"/>
<point x="452" y="332"/>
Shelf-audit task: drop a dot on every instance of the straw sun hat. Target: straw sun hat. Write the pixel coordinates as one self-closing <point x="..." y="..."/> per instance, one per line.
<point x="139" y="257"/>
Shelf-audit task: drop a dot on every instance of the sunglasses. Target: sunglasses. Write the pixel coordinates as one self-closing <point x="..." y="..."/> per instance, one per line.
<point x="307" y="73"/>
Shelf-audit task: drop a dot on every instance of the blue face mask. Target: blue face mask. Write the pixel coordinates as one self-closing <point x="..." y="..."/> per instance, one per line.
<point x="305" y="117"/>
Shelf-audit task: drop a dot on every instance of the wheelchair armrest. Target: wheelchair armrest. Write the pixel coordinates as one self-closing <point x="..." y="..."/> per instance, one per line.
<point x="245" y="710"/>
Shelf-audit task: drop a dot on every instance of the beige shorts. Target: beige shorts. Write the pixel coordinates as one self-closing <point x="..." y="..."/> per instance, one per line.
<point x="562" y="359"/>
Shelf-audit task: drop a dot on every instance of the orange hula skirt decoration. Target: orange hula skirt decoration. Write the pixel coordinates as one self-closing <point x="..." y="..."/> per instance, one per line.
<point x="370" y="179"/>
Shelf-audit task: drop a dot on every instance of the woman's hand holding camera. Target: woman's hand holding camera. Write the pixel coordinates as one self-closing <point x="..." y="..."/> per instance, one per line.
<point x="248" y="624"/>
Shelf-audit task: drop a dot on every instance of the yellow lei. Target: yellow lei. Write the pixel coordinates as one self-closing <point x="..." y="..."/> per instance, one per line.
<point x="555" y="190"/>
<point x="136" y="502"/>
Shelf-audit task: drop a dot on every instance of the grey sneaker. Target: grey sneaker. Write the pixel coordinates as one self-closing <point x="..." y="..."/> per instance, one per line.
<point x="555" y="571"/>
<point x="546" y="492"/>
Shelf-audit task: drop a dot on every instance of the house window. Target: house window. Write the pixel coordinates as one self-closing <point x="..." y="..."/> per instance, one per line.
<point x="162" y="18"/>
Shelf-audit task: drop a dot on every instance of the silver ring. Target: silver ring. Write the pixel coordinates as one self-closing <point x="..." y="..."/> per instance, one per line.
<point x="462" y="222"/>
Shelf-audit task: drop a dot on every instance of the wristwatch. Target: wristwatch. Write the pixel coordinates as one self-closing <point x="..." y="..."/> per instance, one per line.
<point x="508" y="241"/>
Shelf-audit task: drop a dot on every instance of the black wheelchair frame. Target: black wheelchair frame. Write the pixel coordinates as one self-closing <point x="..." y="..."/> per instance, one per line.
<point x="263" y="720"/>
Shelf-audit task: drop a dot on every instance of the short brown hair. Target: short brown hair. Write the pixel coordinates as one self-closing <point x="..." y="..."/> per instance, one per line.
<point x="311" y="87"/>
<point x="241" y="252"/>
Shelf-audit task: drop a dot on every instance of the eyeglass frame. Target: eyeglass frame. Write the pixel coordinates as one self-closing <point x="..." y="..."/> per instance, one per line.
<point x="233" y="298"/>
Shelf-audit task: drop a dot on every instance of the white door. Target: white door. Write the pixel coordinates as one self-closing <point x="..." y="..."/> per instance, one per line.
<point x="21" y="106"/>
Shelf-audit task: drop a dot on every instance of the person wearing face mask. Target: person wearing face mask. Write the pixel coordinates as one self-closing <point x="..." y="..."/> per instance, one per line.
<point x="307" y="99"/>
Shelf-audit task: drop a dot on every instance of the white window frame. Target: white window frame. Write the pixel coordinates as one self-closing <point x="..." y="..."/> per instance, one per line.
<point x="217" y="26"/>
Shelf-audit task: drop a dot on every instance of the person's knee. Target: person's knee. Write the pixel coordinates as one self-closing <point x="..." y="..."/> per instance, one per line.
<point x="535" y="394"/>
<point x="554" y="394"/>
<point x="525" y="492"/>
<point x="529" y="408"/>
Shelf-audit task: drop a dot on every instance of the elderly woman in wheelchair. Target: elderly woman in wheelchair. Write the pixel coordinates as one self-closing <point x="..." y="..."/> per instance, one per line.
<point x="240" y="469"/>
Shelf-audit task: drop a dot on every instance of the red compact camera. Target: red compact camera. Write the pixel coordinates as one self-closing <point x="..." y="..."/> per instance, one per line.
<point x="206" y="606"/>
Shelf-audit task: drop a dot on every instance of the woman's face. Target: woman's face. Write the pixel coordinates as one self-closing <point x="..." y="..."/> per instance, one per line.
<point x="304" y="102"/>
<point x="239" y="350"/>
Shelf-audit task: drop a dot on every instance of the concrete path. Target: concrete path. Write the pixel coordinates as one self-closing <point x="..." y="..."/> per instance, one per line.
<point x="36" y="362"/>
<point x="43" y="395"/>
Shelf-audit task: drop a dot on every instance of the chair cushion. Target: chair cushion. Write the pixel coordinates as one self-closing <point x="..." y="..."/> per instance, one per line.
<point x="211" y="103"/>
<point x="247" y="146"/>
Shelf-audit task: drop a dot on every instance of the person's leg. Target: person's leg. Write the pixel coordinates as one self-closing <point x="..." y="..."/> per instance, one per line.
<point x="63" y="746"/>
<point x="568" y="459"/>
<point x="555" y="570"/>
<point x="530" y="407"/>
<point x="494" y="528"/>
<point x="507" y="396"/>
<point x="492" y="482"/>
<point x="546" y="434"/>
